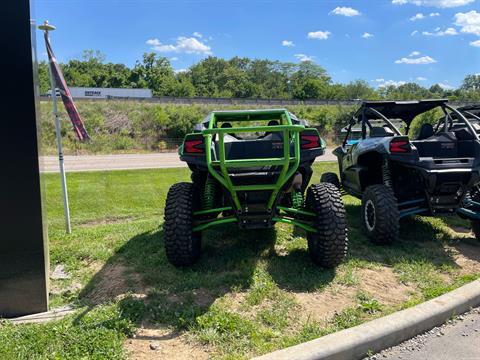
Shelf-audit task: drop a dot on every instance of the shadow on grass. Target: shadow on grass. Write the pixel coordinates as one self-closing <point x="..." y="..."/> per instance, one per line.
<point x="176" y="296"/>
<point x="420" y="240"/>
<point x="230" y="257"/>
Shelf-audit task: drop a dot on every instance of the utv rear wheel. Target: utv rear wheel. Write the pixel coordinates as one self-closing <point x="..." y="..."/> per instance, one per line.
<point x="328" y="246"/>
<point x="330" y="178"/>
<point x="380" y="217"/>
<point x="182" y="245"/>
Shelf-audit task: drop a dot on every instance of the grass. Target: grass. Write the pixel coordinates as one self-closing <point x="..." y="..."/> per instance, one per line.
<point x="247" y="294"/>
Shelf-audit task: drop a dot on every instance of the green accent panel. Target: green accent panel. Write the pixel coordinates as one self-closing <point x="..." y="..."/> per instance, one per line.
<point x="295" y="211"/>
<point x="202" y="212"/>
<point x="296" y="223"/>
<point x="252" y="162"/>
<point x="213" y="223"/>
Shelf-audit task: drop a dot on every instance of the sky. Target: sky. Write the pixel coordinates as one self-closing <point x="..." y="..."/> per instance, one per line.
<point x="381" y="41"/>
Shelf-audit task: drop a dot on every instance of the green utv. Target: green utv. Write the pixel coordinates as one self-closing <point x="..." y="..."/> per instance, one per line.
<point x="252" y="168"/>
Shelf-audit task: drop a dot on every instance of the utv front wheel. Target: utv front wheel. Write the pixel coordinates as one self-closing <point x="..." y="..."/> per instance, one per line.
<point x="330" y="178"/>
<point x="380" y="217"/>
<point x="182" y="245"/>
<point x="328" y="246"/>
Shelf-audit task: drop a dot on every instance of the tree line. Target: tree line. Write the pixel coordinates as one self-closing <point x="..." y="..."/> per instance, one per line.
<point x="241" y="78"/>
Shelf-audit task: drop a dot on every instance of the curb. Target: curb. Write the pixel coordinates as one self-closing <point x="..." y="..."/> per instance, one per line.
<point x="385" y="332"/>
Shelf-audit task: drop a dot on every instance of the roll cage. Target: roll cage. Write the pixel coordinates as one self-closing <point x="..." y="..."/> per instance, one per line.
<point x="406" y="111"/>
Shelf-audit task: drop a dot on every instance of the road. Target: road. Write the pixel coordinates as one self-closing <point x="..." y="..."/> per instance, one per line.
<point x="125" y="162"/>
<point x="459" y="339"/>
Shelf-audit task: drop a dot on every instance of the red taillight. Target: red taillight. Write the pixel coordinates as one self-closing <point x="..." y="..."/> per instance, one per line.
<point x="310" y="141"/>
<point x="193" y="146"/>
<point x="400" y="146"/>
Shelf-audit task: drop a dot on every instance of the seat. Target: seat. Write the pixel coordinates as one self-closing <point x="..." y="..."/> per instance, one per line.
<point x="380" y="132"/>
<point x="426" y="131"/>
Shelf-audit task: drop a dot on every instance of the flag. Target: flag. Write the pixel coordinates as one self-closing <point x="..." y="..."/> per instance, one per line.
<point x="65" y="93"/>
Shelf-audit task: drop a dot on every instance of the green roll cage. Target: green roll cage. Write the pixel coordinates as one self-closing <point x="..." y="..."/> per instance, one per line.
<point x="218" y="166"/>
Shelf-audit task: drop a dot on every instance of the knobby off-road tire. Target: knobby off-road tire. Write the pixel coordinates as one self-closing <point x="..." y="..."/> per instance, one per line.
<point x="475" y="195"/>
<point x="182" y="245"/>
<point x="380" y="216"/>
<point x="328" y="246"/>
<point x="330" y="178"/>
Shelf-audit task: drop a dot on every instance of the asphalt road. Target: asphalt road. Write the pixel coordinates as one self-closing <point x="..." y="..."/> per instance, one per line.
<point x="125" y="161"/>
<point x="459" y="339"/>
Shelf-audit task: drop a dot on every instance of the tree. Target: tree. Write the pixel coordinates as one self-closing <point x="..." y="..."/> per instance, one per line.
<point x="359" y="89"/>
<point x="43" y="77"/>
<point x="155" y="73"/>
<point x="471" y="83"/>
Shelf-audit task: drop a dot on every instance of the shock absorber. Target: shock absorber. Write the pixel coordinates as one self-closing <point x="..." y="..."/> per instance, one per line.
<point x="209" y="193"/>
<point x="297" y="199"/>
<point x="387" y="179"/>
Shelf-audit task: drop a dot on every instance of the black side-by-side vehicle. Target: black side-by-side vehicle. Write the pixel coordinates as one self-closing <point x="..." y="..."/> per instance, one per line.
<point x="395" y="176"/>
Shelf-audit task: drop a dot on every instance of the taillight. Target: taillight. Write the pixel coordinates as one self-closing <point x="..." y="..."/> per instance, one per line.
<point x="400" y="146"/>
<point x="193" y="146"/>
<point x="310" y="141"/>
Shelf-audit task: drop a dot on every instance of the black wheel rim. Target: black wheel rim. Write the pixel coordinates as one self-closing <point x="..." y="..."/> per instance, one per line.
<point x="370" y="217"/>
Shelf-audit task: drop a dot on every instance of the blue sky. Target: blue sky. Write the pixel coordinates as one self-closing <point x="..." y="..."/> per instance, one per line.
<point x="381" y="41"/>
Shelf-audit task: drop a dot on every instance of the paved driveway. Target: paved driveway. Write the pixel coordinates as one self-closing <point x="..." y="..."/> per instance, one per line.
<point x="125" y="161"/>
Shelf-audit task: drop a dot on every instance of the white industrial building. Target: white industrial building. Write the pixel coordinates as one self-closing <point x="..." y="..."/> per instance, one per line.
<point x="107" y="93"/>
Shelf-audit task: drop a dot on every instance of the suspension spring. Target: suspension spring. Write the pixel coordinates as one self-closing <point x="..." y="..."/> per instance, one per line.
<point x="387" y="179"/>
<point x="209" y="193"/>
<point x="297" y="199"/>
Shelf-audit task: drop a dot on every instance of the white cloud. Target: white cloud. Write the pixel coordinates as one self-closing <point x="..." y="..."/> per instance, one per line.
<point x="178" y="71"/>
<point x="183" y="45"/>
<point x="475" y="43"/>
<point x="303" y="57"/>
<point x="434" y="3"/>
<point x="367" y="35"/>
<point x="418" y="16"/>
<point x="381" y="80"/>
<point x="414" y="32"/>
<point x="414" y="53"/>
<point x="447" y="32"/>
<point x="319" y="35"/>
<point x="287" y="43"/>
<point x="386" y="83"/>
<point x="174" y="58"/>
<point x="197" y="35"/>
<point x="445" y="86"/>
<point x="416" y="61"/>
<point x="469" y="22"/>
<point x="345" y="11"/>
<point x="421" y="78"/>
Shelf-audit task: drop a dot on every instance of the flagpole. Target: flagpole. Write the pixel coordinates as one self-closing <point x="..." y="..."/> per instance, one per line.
<point x="46" y="27"/>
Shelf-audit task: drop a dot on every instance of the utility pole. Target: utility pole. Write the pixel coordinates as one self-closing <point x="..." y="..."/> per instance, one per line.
<point x="46" y="27"/>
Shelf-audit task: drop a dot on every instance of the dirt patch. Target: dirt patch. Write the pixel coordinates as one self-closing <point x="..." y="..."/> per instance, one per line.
<point x="460" y="230"/>
<point x="383" y="285"/>
<point x="322" y="306"/>
<point x="467" y="257"/>
<point x="200" y="297"/>
<point x="114" y="280"/>
<point x="166" y="344"/>
<point x="107" y="220"/>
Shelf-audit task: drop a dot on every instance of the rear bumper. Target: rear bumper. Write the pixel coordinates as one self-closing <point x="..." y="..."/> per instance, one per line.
<point x="446" y="187"/>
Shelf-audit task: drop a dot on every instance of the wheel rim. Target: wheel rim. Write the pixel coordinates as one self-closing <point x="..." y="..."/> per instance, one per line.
<point x="370" y="216"/>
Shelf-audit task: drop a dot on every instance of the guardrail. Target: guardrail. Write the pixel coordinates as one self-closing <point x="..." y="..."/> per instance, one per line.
<point x="235" y="101"/>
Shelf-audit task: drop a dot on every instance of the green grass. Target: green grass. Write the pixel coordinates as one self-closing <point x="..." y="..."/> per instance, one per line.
<point x="239" y="300"/>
